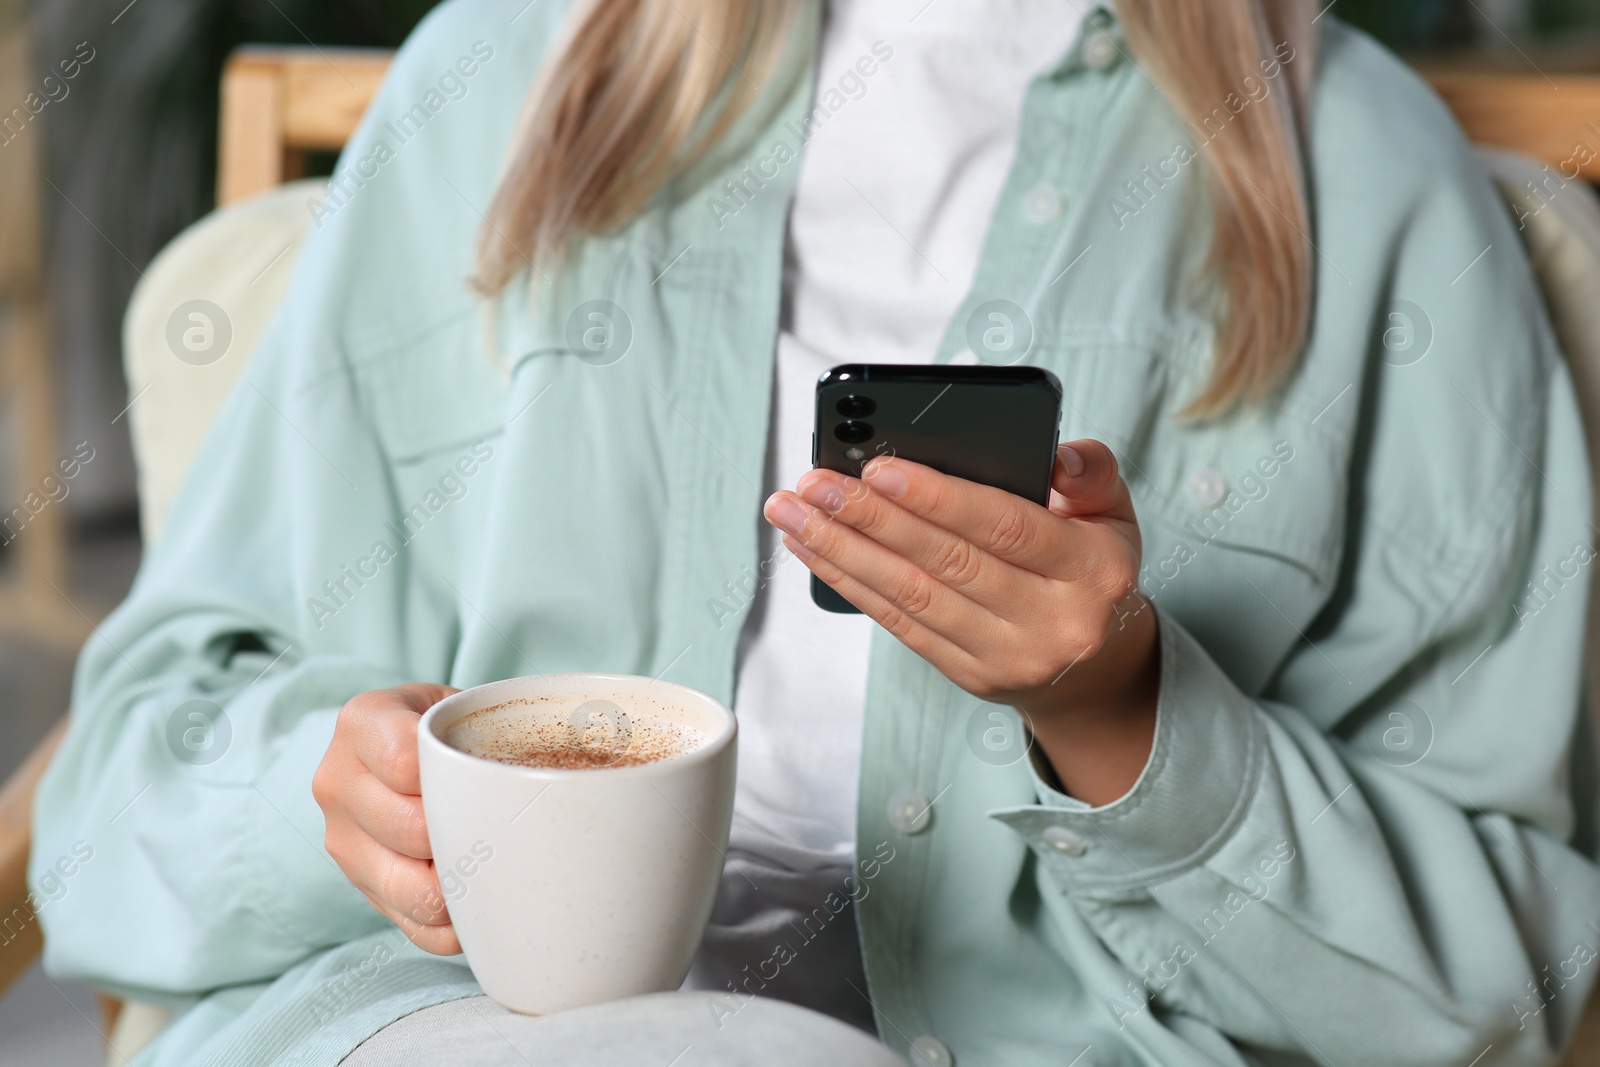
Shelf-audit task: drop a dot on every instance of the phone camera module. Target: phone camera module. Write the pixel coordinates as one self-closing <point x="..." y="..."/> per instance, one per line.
<point x="853" y="433"/>
<point x="856" y="407"/>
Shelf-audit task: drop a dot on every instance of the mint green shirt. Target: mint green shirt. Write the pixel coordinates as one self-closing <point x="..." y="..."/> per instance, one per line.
<point x="1367" y="830"/>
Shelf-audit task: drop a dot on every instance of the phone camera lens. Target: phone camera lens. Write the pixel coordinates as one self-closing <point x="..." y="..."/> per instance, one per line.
<point x="856" y="407"/>
<point x="853" y="433"/>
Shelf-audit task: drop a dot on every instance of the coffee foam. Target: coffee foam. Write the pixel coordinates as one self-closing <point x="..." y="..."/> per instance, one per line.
<point x="572" y="733"/>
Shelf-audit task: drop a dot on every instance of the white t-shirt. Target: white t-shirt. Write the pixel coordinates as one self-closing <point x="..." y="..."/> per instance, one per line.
<point x="895" y="189"/>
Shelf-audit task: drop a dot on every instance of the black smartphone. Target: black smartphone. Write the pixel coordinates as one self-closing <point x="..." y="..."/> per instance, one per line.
<point x="995" y="425"/>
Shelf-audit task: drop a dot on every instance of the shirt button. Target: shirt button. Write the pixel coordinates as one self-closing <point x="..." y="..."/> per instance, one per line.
<point x="1099" y="51"/>
<point x="930" y="1052"/>
<point x="1206" y="487"/>
<point x="1041" y="204"/>
<point x="909" y="811"/>
<point x="1064" y="841"/>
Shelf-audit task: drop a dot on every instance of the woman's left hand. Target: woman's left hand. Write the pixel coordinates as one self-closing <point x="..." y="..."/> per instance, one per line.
<point x="1016" y="603"/>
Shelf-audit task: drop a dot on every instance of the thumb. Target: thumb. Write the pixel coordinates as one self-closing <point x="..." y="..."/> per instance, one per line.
<point x="420" y="696"/>
<point x="1086" y="482"/>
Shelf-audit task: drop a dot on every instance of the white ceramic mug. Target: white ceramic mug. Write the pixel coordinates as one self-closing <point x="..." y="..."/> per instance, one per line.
<point x="574" y="887"/>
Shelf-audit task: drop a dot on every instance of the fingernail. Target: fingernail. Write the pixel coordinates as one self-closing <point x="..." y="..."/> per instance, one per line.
<point x="887" y="478"/>
<point x="801" y="551"/>
<point x="1071" y="460"/>
<point x="786" y="514"/>
<point x="823" y="494"/>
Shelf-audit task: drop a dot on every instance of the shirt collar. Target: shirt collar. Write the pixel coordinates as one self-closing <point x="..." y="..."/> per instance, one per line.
<point x="1099" y="46"/>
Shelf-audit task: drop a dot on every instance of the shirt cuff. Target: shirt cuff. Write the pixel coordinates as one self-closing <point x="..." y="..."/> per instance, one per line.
<point x="1204" y="765"/>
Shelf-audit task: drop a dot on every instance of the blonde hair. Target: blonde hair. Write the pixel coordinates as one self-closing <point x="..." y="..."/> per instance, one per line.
<point x="638" y="91"/>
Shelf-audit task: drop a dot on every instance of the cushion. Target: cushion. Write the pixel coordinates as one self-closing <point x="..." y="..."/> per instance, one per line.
<point x="192" y="324"/>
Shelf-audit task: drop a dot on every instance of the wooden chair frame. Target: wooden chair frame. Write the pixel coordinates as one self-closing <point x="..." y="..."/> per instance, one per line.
<point x="278" y="104"/>
<point x="33" y="578"/>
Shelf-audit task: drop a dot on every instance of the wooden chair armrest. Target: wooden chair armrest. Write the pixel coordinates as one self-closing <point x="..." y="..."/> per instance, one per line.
<point x="1552" y="121"/>
<point x="20" y="940"/>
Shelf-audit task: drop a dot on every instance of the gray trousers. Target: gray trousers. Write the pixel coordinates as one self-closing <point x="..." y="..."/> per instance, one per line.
<point x="676" y="1029"/>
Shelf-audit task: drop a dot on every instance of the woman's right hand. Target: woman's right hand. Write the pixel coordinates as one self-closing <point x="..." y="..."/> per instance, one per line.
<point x="370" y="791"/>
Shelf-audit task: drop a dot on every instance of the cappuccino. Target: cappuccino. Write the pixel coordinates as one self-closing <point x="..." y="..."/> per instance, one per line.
<point x="570" y="734"/>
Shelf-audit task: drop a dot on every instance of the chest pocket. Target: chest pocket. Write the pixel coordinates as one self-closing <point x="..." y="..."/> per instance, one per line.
<point x="449" y="384"/>
<point x="436" y="390"/>
<point x="1243" y="518"/>
<point x="1260" y="485"/>
<point x="1244" y="530"/>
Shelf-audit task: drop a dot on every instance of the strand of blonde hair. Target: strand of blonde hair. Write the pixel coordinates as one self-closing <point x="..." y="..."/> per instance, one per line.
<point x="639" y="90"/>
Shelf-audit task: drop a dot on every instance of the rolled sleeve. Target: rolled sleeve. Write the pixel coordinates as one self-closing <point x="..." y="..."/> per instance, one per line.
<point x="1203" y="769"/>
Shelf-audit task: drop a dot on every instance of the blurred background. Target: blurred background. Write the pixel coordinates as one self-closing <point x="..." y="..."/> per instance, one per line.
<point x="101" y="167"/>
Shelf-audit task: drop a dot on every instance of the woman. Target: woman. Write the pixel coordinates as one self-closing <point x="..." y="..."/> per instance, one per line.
<point x="1304" y="778"/>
